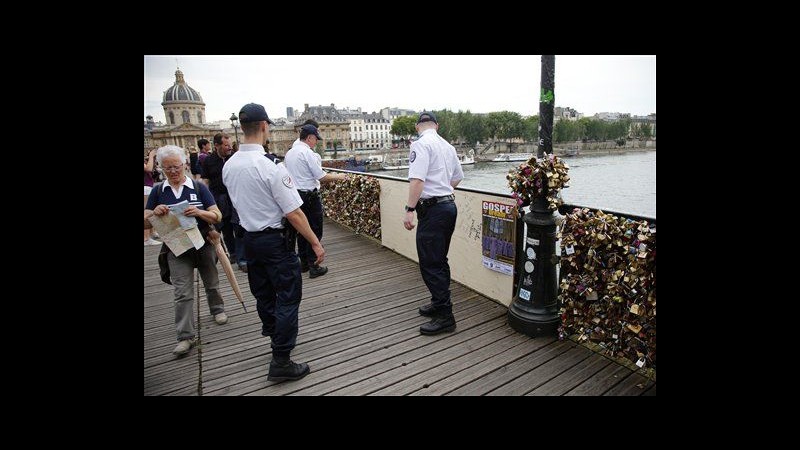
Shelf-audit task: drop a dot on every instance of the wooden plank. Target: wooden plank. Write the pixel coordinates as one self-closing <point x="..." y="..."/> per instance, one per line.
<point x="634" y="384"/>
<point x="541" y="374"/>
<point x="361" y="358"/>
<point x="322" y="357"/>
<point x="223" y="375"/>
<point x="508" y="355"/>
<point x="386" y="380"/>
<point x="503" y="375"/>
<point x="331" y="364"/>
<point x="572" y="377"/>
<point x="312" y="331"/>
<point x="366" y="336"/>
<point x="373" y="364"/>
<point x="449" y="363"/>
<point x="602" y="381"/>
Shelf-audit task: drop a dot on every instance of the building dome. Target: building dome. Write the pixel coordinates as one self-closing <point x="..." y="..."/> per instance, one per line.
<point x="180" y="92"/>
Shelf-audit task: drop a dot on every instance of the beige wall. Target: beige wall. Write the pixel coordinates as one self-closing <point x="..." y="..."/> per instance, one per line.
<point x="465" y="259"/>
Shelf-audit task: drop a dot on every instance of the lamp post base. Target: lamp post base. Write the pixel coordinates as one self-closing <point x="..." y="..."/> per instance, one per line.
<point x="532" y="323"/>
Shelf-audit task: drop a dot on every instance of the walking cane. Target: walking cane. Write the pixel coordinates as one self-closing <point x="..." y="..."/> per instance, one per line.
<point x="226" y="264"/>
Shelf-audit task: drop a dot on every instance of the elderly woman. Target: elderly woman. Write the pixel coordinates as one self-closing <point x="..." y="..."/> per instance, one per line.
<point x="177" y="188"/>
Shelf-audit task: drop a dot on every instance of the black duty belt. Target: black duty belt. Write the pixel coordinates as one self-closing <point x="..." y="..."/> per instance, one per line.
<point x="434" y="200"/>
<point x="307" y="192"/>
<point x="268" y="230"/>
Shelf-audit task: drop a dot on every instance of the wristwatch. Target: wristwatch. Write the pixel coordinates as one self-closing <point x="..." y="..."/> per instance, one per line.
<point x="410" y="209"/>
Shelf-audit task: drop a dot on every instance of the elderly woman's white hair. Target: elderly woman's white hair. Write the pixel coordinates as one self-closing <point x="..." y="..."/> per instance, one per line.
<point x="170" y="151"/>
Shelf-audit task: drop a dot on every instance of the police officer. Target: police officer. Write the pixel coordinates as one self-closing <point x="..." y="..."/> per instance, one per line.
<point x="292" y="234"/>
<point x="434" y="170"/>
<point x="263" y="194"/>
<point x="305" y="166"/>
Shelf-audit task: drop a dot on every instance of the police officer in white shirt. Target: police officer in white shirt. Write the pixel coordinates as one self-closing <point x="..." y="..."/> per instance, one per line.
<point x="434" y="170"/>
<point x="264" y="193"/>
<point x="292" y="234"/>
<point x="305" y="166"/>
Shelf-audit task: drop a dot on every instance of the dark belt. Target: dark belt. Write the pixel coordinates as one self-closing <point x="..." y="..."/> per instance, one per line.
<point x="434" y="200"/>
<point x="268" y="230"/>
<point x="307" y="192"/>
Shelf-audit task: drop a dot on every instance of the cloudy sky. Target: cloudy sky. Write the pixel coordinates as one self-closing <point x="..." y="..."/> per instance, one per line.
<point x="478" y="83"/>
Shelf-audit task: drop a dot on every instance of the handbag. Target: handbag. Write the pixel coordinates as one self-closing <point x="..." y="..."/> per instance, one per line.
<point x="163" y="264"/>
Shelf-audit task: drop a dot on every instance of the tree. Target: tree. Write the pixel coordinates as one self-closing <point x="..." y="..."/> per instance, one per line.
<point x="405" y="127"/>
<point x="472" y="128"/>
<point x="567" y="130"/>
<point x="493" y="123"/>
<point x="645" y="131"/>
<point x="530" y="132"/>
<point x="504" y="124"/>
<point x="618" y="129"/>
<point x="336" y="145"/>
<point x="448" y="126"/>
<point x="591" y="130"/>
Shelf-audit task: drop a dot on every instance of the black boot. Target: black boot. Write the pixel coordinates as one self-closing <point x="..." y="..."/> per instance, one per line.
<point x="283" y="369"/>
<point x="427" y="310"/>
<point x="317" y="271"/>
<point x="441" y="323"/>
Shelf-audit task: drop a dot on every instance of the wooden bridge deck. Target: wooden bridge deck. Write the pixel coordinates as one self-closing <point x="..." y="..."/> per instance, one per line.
<point x="359" y="332"/>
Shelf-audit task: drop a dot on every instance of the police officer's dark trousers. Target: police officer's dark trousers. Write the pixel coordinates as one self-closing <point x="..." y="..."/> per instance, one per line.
<point x="275" y="281"/>
<point x="312" y="208"/>
<point x="435" y="228"/>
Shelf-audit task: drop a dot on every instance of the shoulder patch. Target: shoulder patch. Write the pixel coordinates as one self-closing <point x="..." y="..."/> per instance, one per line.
<point x="412" y="156"/>
<point x="287" y="181"/>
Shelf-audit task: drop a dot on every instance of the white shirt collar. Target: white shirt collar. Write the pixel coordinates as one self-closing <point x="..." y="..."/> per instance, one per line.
<point x="251" y="148"/>
<point x="186" y="182"/>
<point x="428" y="131"/>
<point x="304" y="143"/>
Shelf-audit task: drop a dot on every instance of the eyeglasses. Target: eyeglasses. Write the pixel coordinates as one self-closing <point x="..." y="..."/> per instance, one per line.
<point x="174" y="168"/>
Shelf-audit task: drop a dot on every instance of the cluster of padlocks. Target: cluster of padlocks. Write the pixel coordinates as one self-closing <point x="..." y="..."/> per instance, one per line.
<point x="527" y="182"/>
<point x="355" y="202"/>
<point x="608" y="284"/>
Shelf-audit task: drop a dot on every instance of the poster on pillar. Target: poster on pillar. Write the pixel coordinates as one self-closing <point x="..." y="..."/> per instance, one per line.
<point x="499" y="225"/>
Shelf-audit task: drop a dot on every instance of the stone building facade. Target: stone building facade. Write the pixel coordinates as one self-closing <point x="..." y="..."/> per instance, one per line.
<point x="333" y="126"/>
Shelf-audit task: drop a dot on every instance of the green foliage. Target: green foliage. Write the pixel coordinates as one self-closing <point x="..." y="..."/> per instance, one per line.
<point x="567" y="130"/>
<point x="531" y="129"/>
<point x="588" y="129"/>
<point x="404" y="126"/>
<point x="472" y="127"/>
<point x="645" y="131"/>
<point x="466" y="127"/>
<point x="448" y="126"/>
<point x="504" y="125"/>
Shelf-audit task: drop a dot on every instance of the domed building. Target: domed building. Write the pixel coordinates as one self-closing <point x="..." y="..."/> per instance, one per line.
<point x="182" y="104"/>
<point x="185" y="112"/>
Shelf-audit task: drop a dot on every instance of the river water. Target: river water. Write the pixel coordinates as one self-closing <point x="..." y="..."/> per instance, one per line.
<point x="623" y="182"/>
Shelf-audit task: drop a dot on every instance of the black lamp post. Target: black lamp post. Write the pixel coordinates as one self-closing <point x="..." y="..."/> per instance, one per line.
<point x="534" y="310"/>
<point x="235" y="123"/>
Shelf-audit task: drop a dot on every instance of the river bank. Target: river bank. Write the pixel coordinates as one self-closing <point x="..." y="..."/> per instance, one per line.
<point x="569" y="149"/>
